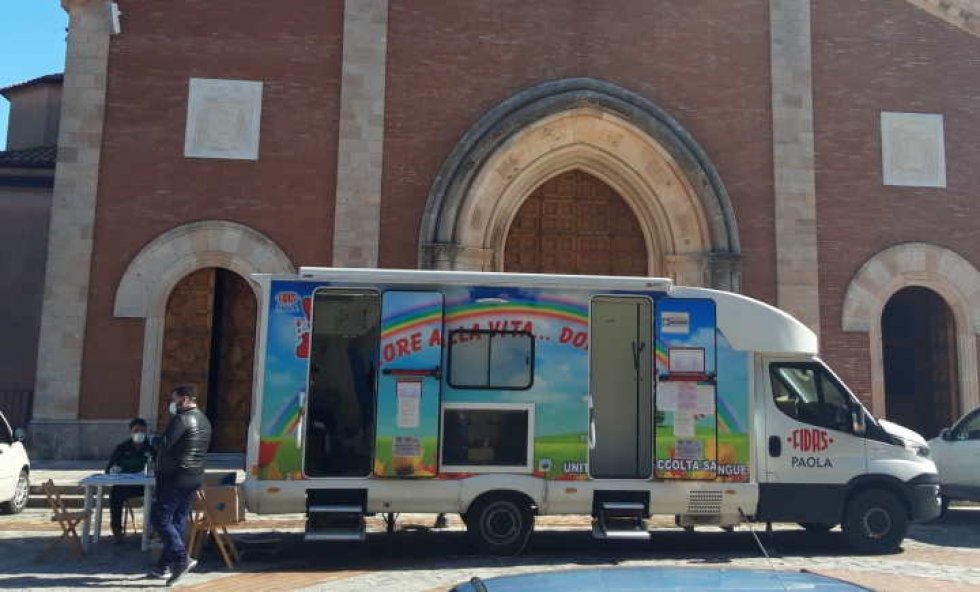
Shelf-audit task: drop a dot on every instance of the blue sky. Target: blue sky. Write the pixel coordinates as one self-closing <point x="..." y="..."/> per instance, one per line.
<point x="32" y="44"/>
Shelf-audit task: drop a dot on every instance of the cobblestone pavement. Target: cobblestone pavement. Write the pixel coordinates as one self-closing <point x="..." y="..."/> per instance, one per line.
<point x="944" y="555"/>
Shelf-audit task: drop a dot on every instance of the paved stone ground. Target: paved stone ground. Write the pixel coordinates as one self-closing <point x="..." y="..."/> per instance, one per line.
<point x="944" y="555"/>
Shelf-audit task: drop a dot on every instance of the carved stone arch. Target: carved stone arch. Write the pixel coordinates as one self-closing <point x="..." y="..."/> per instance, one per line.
<point x="941" y="270"/>
<point x="621" y="138"/>
<point x="154" y="272"/>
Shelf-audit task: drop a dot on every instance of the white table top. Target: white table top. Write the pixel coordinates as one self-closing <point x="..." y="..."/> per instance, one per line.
<point x="105" y="480"/>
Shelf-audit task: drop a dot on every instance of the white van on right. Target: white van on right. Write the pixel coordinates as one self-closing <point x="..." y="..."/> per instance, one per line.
<point x="956" y="453"/>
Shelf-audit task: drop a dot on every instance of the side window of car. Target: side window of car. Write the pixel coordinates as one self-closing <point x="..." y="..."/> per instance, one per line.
<point x="969" y="429"/>
<point x="809" y="394"/>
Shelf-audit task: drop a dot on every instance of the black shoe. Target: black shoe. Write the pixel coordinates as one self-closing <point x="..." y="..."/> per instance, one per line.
<point x="441" y="522"/>
<point x="158" y="572"/>
<point x="180" y="569"/>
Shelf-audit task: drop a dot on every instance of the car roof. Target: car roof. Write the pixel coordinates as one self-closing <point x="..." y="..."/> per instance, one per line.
<point x="636" y="579"/>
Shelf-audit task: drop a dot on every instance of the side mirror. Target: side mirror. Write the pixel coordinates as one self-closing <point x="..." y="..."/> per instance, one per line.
<point x="946" y="435"/>
<point x="19" y="435"/>
<point x="858" y="425"/>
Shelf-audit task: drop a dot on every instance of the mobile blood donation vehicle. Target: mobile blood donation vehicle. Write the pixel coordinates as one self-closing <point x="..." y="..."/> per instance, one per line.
<point x="503" y="397"/>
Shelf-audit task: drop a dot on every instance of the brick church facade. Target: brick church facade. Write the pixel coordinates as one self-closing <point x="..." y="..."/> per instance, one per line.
<point x="819" y="155"/>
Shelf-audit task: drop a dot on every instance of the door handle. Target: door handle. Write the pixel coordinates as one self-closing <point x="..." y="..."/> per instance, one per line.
<point x="591" y="425"/>
<point x="433" y="372"/>
<point x="775" y="446"/>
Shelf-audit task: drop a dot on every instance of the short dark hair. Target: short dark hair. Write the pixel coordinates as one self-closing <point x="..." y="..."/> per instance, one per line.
<point x="185" y="390"/>
<point x="139" y="421"/>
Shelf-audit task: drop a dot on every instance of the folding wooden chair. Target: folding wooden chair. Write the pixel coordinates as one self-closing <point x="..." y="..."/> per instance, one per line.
<point x="129" y="513"/>
<point x="204" y="524"/>
<point x="68" y="520"/>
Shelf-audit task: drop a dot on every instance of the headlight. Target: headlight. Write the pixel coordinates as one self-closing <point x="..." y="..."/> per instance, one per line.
<point x="919" y="449"/>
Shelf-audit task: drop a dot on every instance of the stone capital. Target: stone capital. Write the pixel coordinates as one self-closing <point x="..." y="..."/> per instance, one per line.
<point x="70" y="5"/>
<point x="720" y="271"/>
<point x="456" y="257"/>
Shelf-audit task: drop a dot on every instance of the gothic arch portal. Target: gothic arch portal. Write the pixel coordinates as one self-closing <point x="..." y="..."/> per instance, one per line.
<point x="608" y="132"/>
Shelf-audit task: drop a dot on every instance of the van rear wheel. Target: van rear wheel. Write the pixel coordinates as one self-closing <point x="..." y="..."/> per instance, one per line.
<point x="875" y="521"/>
<point x="499" y="525"/>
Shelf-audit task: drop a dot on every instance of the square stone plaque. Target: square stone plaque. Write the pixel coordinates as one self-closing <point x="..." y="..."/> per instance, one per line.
<point x="224" y="118"/>
<point x="913" y="149"/>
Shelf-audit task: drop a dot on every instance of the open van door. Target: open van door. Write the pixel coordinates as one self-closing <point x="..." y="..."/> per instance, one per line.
<point x="686" y="433"/>
<point x="409" y="384"/>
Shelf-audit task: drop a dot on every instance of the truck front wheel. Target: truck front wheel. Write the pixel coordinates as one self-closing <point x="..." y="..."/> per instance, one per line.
<point x="500" y="525"/>
<point x="875" y="521"/>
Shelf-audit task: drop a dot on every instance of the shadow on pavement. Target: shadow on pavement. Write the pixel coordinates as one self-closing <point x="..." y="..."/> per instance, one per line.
<point x="24" y="565"/>
<point x="959" y="527"/>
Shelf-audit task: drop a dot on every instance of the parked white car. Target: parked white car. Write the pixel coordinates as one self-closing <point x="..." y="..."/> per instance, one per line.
<point x="957" y="455"/>
<point x="15" y="469"/>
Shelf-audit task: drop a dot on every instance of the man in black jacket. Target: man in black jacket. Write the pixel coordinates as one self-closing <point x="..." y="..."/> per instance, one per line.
<point x="179" y="473"/>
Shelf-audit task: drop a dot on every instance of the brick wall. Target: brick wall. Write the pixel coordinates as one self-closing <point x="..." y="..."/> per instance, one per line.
<point x="146" y="186"/>
<point x="872" y="56"/>
<point x="707" y="63"/>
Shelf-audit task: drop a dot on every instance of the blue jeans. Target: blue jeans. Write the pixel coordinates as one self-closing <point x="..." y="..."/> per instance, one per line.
<point x="171" y="508"/>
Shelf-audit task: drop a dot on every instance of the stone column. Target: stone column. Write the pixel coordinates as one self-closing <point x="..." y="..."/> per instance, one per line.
<point x="357" y="216"/>
<point x="65" y="300"/>
<point x="793" y="145"/>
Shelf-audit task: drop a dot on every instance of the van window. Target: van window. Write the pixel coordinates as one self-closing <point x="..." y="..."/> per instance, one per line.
<point x="489" y="436"/>
<point x="480" y="359"/>
<point x="810" y="394"/>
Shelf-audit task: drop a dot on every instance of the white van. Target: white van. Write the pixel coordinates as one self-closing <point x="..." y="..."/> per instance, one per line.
<point x="501" y="397"/>
<point x="15" y="469"/>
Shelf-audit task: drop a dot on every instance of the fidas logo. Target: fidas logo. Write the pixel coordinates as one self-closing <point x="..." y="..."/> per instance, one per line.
<point x="810" y="440"/>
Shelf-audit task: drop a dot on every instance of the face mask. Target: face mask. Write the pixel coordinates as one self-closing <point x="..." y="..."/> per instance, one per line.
<point x="173" y="408"/>
<point x="139" y="437"/>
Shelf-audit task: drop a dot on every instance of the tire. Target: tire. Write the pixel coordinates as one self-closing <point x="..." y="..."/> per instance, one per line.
<point x="875" y="521"/>
<point x="21" y="494"/>
<point x="944" y="508"/>
<point x="500" y="525"/>
<point x="817" y="527"/>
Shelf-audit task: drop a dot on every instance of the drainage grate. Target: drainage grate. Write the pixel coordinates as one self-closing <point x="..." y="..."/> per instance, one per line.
<point x="704" y="502"/>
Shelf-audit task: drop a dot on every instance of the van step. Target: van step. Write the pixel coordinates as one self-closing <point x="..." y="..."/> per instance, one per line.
<point x="637" y="534"/>
<point x="336" y="515"/>
<point x="623" y="508"/>
<point x="620" y="515"/>
<point x="335" y="535"/>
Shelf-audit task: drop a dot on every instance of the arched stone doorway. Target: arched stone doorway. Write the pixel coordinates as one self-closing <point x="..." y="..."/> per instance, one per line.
<point x="921" y="265"/>
<point x="209" y="342"/>
<point x="576" y="224"/>
<point x="919" y="350"/>
<point x="614" y="135"/>
<point x="152" y="277"/>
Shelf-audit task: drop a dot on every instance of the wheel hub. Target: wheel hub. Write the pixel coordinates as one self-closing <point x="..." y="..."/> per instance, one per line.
<point x="877" y="523"/>
<point x="501" y="524"/>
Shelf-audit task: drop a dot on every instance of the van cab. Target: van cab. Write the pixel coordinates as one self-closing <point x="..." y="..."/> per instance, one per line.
<point x="15" y="469"/>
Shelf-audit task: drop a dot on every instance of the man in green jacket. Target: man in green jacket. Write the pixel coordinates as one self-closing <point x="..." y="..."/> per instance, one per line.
<point x="130" y="456"/>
